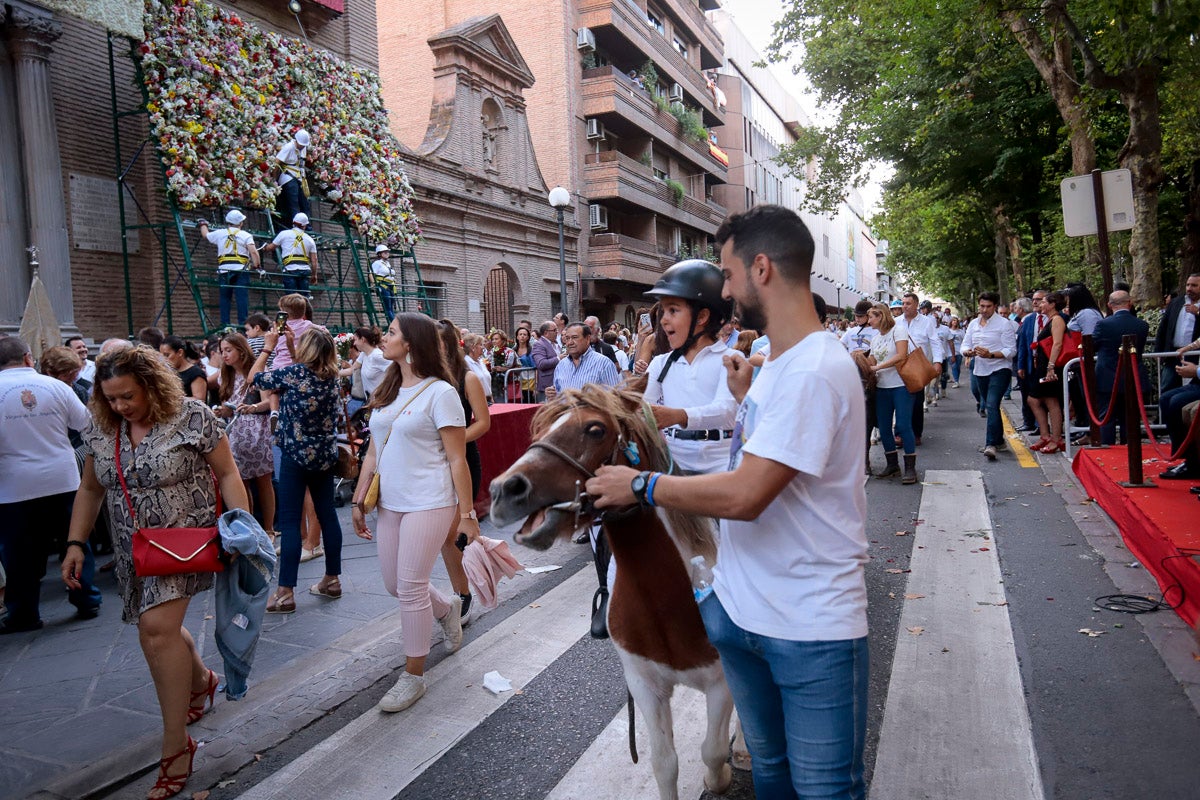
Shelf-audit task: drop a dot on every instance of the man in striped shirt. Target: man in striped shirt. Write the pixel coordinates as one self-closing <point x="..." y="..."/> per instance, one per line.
<point x="582" y="365"/>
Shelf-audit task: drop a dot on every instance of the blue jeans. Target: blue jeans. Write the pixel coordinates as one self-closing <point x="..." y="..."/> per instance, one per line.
<point x="291" y="201"/>
<point x="233" y="285"/>
<point x="895" y="404"/>
<point x="803" y="707"/>
<point x="991" y="389"/>
<point x="296" y="282"/>
<point x="956" y="366"/>
<point x="292" y="480"/>
<point x="387" y="299"/>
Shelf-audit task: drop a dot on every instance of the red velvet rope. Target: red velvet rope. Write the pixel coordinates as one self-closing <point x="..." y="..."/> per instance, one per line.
<point x="1087" y="396"/>
<point x="1192" y="434"/>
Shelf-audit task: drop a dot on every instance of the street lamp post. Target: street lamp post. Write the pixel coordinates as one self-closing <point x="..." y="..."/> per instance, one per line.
<point x="560" y="198"/>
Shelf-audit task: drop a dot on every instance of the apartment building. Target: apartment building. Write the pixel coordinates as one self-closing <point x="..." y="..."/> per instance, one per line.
<point x="762" y="118"/>
<point x="620" y="114"/>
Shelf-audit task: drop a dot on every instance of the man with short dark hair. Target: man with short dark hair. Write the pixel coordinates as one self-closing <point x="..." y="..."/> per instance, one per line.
<point x="991" y="341"/>
<point x="1178" y="329"/>
<point x="922" y="334"/>
<point x="40" y="478"/>
<point x="788" y="615"/>
<point x="598" y="344"/>
<point x="88" y="372"/>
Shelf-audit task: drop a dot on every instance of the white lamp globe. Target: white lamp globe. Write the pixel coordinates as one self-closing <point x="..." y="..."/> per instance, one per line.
<point x="559" y="197"/>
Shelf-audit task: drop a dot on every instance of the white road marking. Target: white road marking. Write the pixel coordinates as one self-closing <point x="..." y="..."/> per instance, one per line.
<point x="378" y="754"/>
<point x="956" y="724"/>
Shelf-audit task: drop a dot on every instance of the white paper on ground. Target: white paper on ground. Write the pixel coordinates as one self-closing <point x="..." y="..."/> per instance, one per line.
<point x="540" y="570"/>
<point x="496" y="683"/>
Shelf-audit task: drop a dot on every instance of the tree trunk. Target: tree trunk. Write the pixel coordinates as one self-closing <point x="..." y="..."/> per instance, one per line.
<point x="1142" y="156"/>
<point x="1189" y="248"/>
<point x="999" y="224"/>
<point x="1056" y="66"/>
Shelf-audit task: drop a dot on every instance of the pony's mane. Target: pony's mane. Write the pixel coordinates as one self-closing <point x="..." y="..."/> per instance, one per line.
<point x="693" y="534"/>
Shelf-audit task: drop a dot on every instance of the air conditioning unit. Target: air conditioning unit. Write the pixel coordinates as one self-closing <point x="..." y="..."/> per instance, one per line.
<point x="585" y="40"/>
<point x="676" y="93"/>
<point x="597" y="217"/>
<point x="595" y="129"/>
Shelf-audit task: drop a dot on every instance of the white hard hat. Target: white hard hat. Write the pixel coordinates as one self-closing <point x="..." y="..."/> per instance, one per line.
<point x="235" y="217"/>
<point x="302" y="138"/>
<point x="382" y="248"/>
<point x="300" y="219"/>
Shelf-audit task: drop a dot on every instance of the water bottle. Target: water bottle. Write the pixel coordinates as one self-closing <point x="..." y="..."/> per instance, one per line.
<point x="702" y="579"/>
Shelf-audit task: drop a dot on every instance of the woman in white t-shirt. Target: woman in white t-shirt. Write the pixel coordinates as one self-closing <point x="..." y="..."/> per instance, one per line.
<point x="418" y="441"/>
<point x="892" y="399"/>
<point x="473" y="345"/>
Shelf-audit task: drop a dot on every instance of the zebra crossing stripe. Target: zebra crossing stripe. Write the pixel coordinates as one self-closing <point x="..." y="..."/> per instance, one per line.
<point x="377" y="754"/>
<point x="956" y="724"/>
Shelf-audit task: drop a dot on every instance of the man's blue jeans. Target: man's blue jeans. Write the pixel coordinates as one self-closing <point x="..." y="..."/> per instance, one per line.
<point x="387" y="299"/>
<point x="292" y="479"/>
<point x="296" y="282"/>
<point x="803" y="707"/>
<point x="234" y="284"/>
<point x="991" y="389"/>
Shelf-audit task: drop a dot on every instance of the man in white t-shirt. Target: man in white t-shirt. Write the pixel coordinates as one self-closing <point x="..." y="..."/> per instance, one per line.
<point x="88" y="372"/>
<point x="789" y="614"/>
<point x="297" y="255"/>
<point x="921" y="334"/>
<point x="236" y="255"/>
<point x="38" y="481"/>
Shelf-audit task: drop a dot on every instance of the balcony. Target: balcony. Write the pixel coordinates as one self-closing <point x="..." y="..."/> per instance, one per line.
<point x="619" y="25"/>
<point x="624" y="183"/>
<point x="712" y="47"/>
<point x="612" y="256"/>
<point x="607" y="92"/>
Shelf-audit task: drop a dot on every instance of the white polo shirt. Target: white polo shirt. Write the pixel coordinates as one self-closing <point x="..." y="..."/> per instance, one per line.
<point x="36" y="457"/>
<point x="296" y="249"/>
<point x="700" y="389"/>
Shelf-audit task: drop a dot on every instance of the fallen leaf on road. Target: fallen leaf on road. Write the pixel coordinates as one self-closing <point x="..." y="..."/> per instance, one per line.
<point x="1091" y="633"/>
<point x="225" y="783"/>
<point x="902" y="533"/>
<point x="1047" y="484"/>
<point x="200" y="795"/>
<point x="985" y="548"/>
<point x="535" y="605"/>
<point x="892" y="595"/>
<point x="945" y="649"/>
<point x="913" y="596"/>
<point x="897" y="571"/>
<point x="258" y="756"/>
<point x="916" y="631"/>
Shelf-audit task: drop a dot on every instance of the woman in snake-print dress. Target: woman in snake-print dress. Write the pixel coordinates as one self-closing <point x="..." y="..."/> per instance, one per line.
<point x="171" y="448"/>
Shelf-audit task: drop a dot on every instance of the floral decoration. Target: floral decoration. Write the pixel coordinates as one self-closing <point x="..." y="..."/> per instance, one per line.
<point x="224" y="96"/>
<point x="343" y="342"/>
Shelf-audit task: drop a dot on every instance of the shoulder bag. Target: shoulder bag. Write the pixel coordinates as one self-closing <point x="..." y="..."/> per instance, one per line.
<point x="1071" y="347"/>
<point x="172" y="551"/>
<point x="371" y="498"/>
<point x="915" y="370"/>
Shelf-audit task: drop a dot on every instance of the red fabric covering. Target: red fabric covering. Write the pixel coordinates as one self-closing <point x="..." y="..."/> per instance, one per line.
<point x="1155" y="523"/>
<point x="505" y="442"/>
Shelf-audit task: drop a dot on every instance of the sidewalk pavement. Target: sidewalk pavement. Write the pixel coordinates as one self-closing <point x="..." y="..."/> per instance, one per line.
<point x="78" y="711"/>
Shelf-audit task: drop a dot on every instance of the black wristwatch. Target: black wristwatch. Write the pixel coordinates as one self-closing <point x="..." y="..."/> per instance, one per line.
<point x="638" y="485"/>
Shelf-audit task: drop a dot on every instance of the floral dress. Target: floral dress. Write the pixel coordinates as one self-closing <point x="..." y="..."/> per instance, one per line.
<point x="309" y="410"/>
<point x="249" y="436"/>
<point x="171" y="487"/>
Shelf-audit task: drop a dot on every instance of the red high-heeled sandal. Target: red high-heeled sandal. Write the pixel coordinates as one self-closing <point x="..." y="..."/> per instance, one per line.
<point x="1055" y="446"/>
<point x="171" y="785"/>
<point x="208" y="693"/>
<point x="1045" y="440"/>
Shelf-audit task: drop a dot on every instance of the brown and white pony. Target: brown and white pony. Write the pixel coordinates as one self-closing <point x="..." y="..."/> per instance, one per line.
<point x="653" y="619"/>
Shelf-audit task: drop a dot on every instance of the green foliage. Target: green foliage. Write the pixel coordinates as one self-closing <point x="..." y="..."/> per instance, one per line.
<point x="661" y="102"/>
<point x="677" y="190"/>
<point x="690" y="121"/>
<point x="646" y="158"/>
<point x="649" y="75"/>
<point x="589" y="60"/>
<point x="706" y="253"/>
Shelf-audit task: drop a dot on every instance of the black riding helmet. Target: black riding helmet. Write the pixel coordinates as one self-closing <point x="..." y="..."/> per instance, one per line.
<point x="700" y="283"/>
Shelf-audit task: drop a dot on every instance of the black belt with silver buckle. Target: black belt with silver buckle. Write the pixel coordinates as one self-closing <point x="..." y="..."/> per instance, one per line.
<point x="710" y="435"/>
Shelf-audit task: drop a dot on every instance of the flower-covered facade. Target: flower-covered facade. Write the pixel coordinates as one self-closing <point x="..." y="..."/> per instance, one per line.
<point x="224" y="96"/>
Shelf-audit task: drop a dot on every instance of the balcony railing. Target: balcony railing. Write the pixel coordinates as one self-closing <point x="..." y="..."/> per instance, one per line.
<point x="618" y="257"/>
<point x="630" y="22"/>
<point x="614" y="175"/>
<point x="607" y="90"/>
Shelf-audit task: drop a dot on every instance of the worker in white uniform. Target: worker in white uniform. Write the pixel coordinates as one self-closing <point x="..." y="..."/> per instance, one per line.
<point x="292" y="179"/>
<point x="384" y="280"/>
<point x="297" y="255"/>
<point x="236" y="255"/>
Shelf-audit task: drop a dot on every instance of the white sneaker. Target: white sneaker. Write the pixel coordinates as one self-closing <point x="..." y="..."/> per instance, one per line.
<point x="924" y="406"/>
<point x="990" y="452"/>
<point x="452" y="625"/>
<point x="407" y="691"/>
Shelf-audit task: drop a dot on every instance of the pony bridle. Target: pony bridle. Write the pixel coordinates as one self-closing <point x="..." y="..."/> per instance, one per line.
<point x="581" y="504"/>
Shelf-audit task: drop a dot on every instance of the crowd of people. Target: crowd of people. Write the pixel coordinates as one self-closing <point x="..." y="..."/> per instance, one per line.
<point x="155" y="430"/>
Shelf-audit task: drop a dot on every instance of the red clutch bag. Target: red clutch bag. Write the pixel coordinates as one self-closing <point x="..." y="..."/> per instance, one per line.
<point x="172" y="551"/>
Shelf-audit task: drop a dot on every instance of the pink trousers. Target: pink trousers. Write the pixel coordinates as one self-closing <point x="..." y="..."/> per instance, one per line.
<point x="409" y="544"/>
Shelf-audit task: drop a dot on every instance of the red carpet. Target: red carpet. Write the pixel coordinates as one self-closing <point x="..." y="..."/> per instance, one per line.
<point x="1155" y="523"/>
